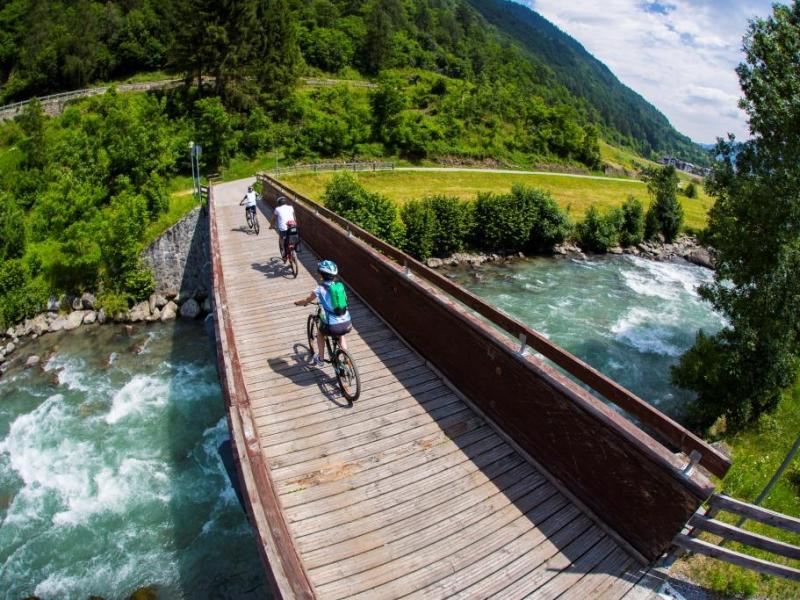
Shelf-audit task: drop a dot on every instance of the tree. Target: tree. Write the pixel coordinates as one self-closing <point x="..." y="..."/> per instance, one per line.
<point x="599" y="232"/>
<point x="632" y="228"/>
<point x="754" y="227"/>
<point x="667" y="212"/>
<point x="377" y="51"/>
<point x="276" y="51"/>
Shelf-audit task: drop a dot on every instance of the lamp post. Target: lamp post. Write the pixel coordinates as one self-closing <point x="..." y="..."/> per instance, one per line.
<point x="194" y="156"/>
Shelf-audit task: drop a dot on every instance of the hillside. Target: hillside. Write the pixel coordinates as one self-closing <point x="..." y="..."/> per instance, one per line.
<point x="628" y="118"/>
<point x="501" y="48"/>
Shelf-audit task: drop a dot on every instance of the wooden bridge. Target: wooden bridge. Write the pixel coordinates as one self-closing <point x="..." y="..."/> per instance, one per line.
<point x="470" y="467"/>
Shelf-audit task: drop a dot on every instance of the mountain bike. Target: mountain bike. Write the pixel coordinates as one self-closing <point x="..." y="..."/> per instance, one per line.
<point x="252" y="220"/>
<point x="343" y="364"/>
<point x="289" y="247"/>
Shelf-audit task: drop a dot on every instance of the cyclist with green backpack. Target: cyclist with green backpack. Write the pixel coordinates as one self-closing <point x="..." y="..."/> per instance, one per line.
<point x="335" y="318"/>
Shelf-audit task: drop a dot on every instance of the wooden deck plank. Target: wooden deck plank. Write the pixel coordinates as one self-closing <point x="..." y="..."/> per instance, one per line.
<point x="372" y="514"/>
<point x="407" y="491"/>
<point x="404" y="459"/>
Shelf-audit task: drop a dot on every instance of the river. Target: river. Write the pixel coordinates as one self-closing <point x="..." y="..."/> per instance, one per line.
<point x="628" y="317"/>
<point x="110" y="478"/>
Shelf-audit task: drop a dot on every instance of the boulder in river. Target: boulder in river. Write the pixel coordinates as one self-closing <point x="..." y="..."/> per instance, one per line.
<point x="701" y="257"/>
<point x="101" y="316"/>
<point x="190" y="309"/>
<point x="58" y="324"/>
<point x="169" y="312"/>
<point x="91" y="317"/>
<point x="140" y="312"/>
<point x="88" y="301"/>
<point x="32" y="361"/>
<point x="74" y="319"/>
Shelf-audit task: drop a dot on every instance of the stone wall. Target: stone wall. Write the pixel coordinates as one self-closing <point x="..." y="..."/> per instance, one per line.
<point x="180" y="258"/>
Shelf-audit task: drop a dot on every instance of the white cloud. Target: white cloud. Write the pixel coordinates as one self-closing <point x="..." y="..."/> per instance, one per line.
<point x="678" y="54"/>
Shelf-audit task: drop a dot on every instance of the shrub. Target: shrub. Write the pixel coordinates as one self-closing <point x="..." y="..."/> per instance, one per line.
<point x="21" y="295"/>
<point x="452" y="223"/>
<point x="690" y="190"/>
<point x="375" y="213"/>
<point x="632" y="226"/>
<point x="549" y="224"/>
<point x="598" y="232"/>
<point x="113" y="303"/>
<point x="421" y="227"/>
<point x="527" y="219"/>
<point x="665" y="215"/>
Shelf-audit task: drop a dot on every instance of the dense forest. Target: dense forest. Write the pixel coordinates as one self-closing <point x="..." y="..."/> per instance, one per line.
<point x="77" y="192"/>
<point x="520" y="74"/>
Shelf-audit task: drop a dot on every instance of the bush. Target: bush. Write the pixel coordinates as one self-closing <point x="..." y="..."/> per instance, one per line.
<point x="452" y="223"/>
<point x="598" y="232"/>
<point x="114" y="303"/>
<point x="632" y="226"/>
<point x="375" y="213"/>
<point x="420" y="223"/>
<point x="665" y="215"/>
<point x="550" y="225"/>
<point x="761" y="366"/>
<point x="690" y="190"/>
<point x="21" y="296"/>
<point x="527" y="219"/>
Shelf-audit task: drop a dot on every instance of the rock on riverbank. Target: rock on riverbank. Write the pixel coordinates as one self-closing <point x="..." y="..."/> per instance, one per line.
<point x="684" y="248"/>
<point x="156" y="308"/>
<point x="179" y="260"/>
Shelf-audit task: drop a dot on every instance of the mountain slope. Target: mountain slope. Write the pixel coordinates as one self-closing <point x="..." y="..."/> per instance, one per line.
<point x="621" y="109"/>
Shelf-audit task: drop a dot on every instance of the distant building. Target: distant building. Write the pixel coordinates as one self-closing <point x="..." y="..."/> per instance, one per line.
<point x="683" y="165"/>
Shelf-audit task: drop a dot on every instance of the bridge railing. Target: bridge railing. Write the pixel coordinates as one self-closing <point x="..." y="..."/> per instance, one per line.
<point x="641" y="490"/>
<point x="708" y="523"/>
<point x="10" y="110"/>
<point x="278" y="552"/>
<point x="671" y="431"/>
<point x="335" y="166"/>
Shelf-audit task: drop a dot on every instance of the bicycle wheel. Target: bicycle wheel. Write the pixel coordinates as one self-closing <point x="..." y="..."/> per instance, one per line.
<point x="256" y="226"/>
<point x="293" y="263"/>
<point x="311" y="331"/>
<point x="347" y="375"/>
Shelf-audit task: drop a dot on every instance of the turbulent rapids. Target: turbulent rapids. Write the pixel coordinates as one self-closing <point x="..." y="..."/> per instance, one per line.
<point x="629" y="317"/>
<point x="110" y="475"/>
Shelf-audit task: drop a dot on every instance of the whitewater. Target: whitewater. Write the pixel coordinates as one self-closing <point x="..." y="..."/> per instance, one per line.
<point x="110" y="473"/>
<point x="628" y="317"/>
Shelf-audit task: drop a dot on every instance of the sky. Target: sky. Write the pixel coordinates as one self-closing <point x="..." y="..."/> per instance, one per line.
<point x="680" y="55"/>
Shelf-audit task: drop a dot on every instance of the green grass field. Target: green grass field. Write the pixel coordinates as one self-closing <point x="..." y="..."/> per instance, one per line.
<point x="757" y="453"/>
<point x="572" y="193"/>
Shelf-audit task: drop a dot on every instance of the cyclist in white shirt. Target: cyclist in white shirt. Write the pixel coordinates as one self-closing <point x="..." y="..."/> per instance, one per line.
<point x="249" y="202"/>
<point x="282" y="217"/>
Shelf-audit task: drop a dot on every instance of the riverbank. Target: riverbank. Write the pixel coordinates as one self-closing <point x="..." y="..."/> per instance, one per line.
<point x="685" y="249"/>
<point x="180" y="263"/>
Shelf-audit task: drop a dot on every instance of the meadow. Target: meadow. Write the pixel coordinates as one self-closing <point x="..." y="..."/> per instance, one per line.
<point x="573" y="193"/>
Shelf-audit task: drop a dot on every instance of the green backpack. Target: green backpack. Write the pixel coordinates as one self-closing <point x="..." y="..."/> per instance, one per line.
<point x="338" y="297"/>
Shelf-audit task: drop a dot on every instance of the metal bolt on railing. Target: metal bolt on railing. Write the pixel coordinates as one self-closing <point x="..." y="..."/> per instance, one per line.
<point x="694" y="459"/>
<point x="523" y="344"/>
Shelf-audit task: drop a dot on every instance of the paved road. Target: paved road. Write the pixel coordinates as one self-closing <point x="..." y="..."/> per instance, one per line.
<point x="515" y="172"/>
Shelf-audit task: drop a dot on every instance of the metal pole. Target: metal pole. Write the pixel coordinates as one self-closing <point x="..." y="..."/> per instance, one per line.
<point x="768" y="488"/>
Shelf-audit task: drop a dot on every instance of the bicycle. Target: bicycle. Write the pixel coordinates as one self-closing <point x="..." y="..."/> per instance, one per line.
<point x="288" y="248"/>
<point x="252" y="220"/>
<point x="343" y="364"/>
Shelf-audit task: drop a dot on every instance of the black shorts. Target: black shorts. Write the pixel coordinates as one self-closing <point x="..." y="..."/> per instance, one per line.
<point x="336" y="330"/>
